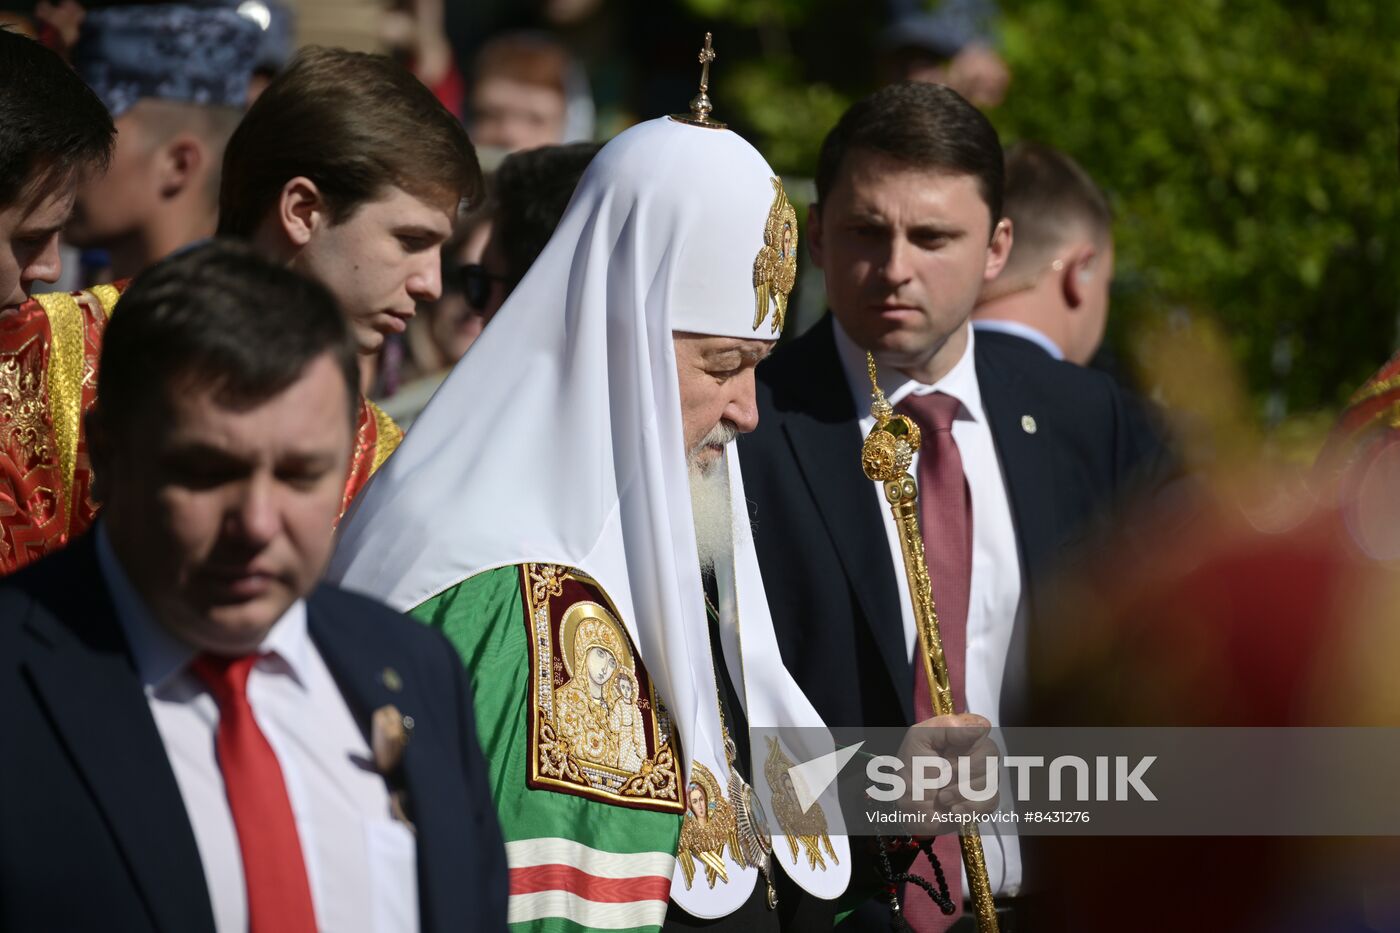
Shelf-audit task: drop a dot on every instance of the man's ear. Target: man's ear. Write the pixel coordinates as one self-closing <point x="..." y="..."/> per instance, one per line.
<point x="301" y="210"/>
<point x="1077" y="274"/>
<point x="998" y="249"/>
<point x="814" y="234"/>
<point x="182" y="162"/>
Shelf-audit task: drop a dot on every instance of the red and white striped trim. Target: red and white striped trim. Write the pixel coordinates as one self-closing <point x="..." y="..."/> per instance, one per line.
<point x="606" y="890"/>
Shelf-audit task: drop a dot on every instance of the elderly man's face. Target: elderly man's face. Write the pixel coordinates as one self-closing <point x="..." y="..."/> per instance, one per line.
<point x="717" y="391"/>
<point x="905" y="253"/>
<point x="222" y="513"/>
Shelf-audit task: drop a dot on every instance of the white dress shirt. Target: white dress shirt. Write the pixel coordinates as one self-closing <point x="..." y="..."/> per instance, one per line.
<point x="1024" y="331"/>
<point x="360" y="861"/>
<point x="994" y="595"/>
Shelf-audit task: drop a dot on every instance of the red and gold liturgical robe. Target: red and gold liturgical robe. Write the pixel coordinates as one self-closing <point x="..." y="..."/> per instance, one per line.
<point x="49" y="350"/>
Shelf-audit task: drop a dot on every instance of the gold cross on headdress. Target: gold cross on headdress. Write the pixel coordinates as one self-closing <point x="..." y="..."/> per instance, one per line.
<point x="700" y="106"/>
<point x="707" y="55"/>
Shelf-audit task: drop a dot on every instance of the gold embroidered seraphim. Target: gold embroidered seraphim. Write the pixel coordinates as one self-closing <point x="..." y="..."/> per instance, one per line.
<point x="708" y="827"/>
<point x="807" y="828"/>
<point x="775" y="267"/>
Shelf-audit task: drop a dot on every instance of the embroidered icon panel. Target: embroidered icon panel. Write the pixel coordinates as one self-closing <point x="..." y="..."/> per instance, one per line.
<point x="596" y="727"/>
<point x="807" y="827"/>
<point x="709" y="826"/>
<point x="775" y="266"/>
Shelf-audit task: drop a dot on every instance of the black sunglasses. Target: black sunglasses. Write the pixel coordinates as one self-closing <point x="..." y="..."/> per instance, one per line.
<point x="476" y="284"/>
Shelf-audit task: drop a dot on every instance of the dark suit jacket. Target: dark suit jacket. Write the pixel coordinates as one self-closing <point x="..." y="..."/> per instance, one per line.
<point x="93" y="830"/>
<point x="827" y="568"/>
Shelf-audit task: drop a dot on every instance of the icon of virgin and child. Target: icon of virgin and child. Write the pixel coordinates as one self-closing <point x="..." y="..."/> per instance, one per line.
<point x="596" y="711"/>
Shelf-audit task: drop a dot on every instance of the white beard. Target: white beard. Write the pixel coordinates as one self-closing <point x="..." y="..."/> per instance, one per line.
<point x="709" y="503"/>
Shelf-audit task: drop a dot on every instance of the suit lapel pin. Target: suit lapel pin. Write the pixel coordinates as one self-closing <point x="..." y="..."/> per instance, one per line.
<point x="389" y="735"/>
<point x="390" y="732"/>
<point x="1028" y="424"/>
<point x="391" y="679"/>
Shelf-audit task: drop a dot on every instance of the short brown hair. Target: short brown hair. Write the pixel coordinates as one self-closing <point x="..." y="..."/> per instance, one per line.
<point x="354" y="124"/>
<point x="1048" y="195"/>
<point x="54" y="127"/>
<point x="926" y="126"/>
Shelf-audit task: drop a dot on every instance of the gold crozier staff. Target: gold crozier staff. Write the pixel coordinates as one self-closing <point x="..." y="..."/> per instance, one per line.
<point x="886" y="456"/>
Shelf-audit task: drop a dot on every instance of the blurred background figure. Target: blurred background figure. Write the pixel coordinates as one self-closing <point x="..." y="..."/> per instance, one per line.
<point x="277" y="44"/>
<point x="176" y="79"/>
<point x="490" y="252"/>
<point x="413" y="32"/>
<point x="951" y="45"/>
<point x="1359" y="466"/>
<point x="1054" y="289"/>
<point x="55" y="23"/>
<point x="1244" y="599"/>
<point x="527" y="92"/>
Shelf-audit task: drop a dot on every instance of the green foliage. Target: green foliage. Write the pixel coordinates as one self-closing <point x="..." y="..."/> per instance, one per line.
<point x="783" y="91"/>
<point x="1250" y="149"/>
<point x="791" y="116"/>
<point x="750" y="12"/>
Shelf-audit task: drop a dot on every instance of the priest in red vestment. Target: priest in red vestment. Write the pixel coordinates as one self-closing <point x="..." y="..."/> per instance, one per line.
<point x="49" y="348"/>
<point x="347" y="170"/>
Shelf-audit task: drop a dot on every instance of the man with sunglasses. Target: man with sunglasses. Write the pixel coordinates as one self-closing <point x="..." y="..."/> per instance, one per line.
<point x="484" y="290"/>
<point x="529" y="193"/>
<point x="471" y="294"/>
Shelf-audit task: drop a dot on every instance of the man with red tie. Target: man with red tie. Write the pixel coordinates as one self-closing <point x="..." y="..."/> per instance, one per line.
<point x="199" y="737"/>
<point x="1019" y="449"/>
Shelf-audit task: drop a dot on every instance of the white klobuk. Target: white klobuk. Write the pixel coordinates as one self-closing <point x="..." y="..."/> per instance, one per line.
<point x="558" y="439"/>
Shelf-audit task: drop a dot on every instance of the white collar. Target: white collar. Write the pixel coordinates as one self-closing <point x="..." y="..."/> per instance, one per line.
<point x="159" y="655"/>
<point x="1025" y="331"/>
<point x="959" y="382"/>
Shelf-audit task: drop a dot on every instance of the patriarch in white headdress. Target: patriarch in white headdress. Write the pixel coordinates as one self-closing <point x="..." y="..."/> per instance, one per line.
<point x="582" y="454"/>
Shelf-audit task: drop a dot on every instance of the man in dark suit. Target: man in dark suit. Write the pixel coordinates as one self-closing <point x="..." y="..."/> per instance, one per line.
<point x="198" y="737"/>
<point x="1018" y="449"/>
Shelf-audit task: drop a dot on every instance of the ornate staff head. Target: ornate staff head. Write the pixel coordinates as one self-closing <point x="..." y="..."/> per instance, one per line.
<point x="890" y="447"/>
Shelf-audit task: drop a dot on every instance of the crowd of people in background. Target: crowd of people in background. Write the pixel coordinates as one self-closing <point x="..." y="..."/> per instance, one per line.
<point x="516" y="388"/>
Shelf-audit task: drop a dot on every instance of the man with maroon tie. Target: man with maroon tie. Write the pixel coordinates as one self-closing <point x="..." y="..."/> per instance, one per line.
<point x="198" y="736"/>
<point x="1018" y="449"/>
